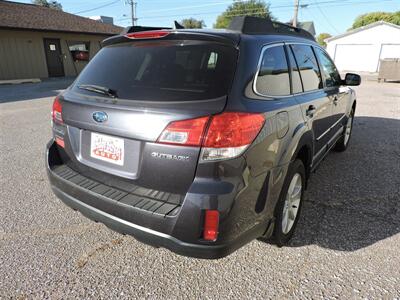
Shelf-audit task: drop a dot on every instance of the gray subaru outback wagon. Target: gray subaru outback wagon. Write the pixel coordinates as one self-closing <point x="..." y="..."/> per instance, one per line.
<point x="199" y="141"/>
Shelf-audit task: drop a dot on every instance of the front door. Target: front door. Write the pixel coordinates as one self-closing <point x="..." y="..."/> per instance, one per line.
<point x="337" y="93"/>
<point x="54" y="61"/>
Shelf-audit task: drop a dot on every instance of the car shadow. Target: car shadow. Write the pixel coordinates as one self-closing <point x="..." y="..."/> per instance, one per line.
<point x="31" y="91"/>
<point x="353" y="199"/>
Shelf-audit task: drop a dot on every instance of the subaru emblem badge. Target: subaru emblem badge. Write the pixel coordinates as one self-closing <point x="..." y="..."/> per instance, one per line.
<point x="100" y="116"/>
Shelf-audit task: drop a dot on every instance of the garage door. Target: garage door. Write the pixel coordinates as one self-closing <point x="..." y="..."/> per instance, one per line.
<point x="390" y="51"/>
<point x="356" y="57"/>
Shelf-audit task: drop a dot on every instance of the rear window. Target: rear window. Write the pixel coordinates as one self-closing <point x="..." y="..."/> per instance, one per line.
<point x="162" y="70"/>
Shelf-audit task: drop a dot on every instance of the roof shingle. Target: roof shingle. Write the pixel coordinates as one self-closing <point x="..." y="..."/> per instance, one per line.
<point x="34" y="17"/>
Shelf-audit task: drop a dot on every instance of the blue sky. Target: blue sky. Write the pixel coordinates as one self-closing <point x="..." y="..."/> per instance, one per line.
<point x="329" y="16"/>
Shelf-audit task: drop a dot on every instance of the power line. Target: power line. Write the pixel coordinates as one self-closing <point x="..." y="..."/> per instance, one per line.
<point x="326" y="4"/>
<point x="95" y="8"/>
<point x="326" y="18"/>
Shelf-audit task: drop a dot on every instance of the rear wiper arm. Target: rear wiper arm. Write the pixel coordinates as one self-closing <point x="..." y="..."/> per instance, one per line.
<point x="99" y="89"/>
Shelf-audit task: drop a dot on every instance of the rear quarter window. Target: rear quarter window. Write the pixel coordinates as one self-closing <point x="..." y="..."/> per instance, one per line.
<point x="273" y="74"/>
<point x="162" y="70"/>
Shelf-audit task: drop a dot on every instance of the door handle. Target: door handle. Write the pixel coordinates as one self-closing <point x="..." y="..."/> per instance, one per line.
<point x="311" y="110"/>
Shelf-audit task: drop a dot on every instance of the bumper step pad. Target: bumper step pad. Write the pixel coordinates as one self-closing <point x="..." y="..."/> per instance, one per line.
<point x="156" y="202"/>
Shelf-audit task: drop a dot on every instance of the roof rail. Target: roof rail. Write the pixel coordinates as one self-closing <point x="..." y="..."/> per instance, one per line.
<point x="131" y="29"/>
<point x="256" y="25"/>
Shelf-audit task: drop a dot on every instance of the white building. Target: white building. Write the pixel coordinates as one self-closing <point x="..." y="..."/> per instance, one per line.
<point x="362" y="48"/>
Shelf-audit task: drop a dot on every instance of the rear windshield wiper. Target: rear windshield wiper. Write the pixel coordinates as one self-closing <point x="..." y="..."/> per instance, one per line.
<point x="99" y="89"/>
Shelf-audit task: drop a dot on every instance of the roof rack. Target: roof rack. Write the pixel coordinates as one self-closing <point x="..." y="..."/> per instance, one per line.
<point x="256" y="25"/>
<point x="131" y="29"/>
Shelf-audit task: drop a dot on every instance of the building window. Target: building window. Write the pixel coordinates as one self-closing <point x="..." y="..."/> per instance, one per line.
<point x="79" y="50"/>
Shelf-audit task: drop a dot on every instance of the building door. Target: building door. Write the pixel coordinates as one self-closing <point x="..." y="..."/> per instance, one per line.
<point x="356" y="57"/>
<point x="55" y="65"/>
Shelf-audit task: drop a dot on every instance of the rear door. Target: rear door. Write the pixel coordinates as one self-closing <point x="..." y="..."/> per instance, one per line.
<point x="316" y="103"/>
<point x="153" y="84"/>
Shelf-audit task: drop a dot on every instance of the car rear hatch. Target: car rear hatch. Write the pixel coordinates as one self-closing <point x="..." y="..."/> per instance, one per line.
<point x="124" y="115"/>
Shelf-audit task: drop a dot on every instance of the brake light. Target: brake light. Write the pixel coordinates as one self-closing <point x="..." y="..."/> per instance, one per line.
<point x="211" y="223"/>
<point x="152" y="34"/>
<point x="187" y="132"/>
<point x="229" y="134"/>
<point x="221" y="136"/>
<point x="57" y="111"/>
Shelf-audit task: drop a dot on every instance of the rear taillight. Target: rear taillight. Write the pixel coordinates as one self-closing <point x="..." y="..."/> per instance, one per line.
<point x="229" y="134"/>
<point x="56" y="113"/>
<point x="186" y="133"/>
<point x="152" y="34"/>
<point x="221" y="136"/>
<point x="211" y="223"/>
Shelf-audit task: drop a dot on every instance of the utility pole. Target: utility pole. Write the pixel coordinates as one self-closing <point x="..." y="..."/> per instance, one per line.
<point x="133" y="4"/>
<point x="296" y="12"/>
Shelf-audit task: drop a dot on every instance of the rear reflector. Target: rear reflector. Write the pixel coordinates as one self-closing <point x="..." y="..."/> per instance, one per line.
<point x="221" y="136"/>
<point x="152" y="34"/>
<point x="57" y="111"/>
<point x="60" y="142"/>
<point x="185" y="133"/>
<point x="211" y="223"/>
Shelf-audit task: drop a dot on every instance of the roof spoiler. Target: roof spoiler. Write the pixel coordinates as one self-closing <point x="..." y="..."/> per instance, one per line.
<point x="260" y="26"/>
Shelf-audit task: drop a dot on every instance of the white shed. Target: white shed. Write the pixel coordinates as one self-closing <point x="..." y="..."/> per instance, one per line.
<point x="362" y="48"/>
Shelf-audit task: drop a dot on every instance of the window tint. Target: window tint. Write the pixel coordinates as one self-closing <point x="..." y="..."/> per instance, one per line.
<point x="308" y="66"/>
<point x="331" y="75"/>
<point x="162" y="71"/>
<point x="273" y="76"/>
<point x="296" y="81"/>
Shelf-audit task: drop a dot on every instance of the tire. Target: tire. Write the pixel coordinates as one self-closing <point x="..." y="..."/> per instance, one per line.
<point x="344" y="140"/>
<point x="284" y="225"/>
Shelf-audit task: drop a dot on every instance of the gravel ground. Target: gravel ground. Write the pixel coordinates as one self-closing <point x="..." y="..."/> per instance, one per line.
<point x="346" y="245"/>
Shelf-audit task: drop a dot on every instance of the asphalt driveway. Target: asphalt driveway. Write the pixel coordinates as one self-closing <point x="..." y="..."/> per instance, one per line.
<point x="346" y="246"/>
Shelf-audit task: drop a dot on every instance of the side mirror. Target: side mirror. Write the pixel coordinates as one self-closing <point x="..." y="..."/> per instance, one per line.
<point x="352" y="79"/>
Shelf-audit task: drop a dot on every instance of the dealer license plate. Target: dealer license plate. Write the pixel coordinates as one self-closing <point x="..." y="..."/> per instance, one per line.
<point x="107" y="148"/>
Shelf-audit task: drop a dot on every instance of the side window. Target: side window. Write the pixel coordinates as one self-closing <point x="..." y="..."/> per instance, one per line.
<point x="309" y="70"/>
<point x="273" y="76"/>
<point x="294" y="70"/>
<point x="331" y="75"/>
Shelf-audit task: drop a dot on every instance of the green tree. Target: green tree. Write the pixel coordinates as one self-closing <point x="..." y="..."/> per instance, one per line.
<point x="50" y="4"/>
<point x="193" y="23"/>
<point x="256" y="8"/>
<point x="321" y="38"/>
<point x="369" y="18"/>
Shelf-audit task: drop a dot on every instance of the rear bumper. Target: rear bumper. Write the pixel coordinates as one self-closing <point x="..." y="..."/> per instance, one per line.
<point x="143" y="234"/>
<point x="156" y="229"/>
